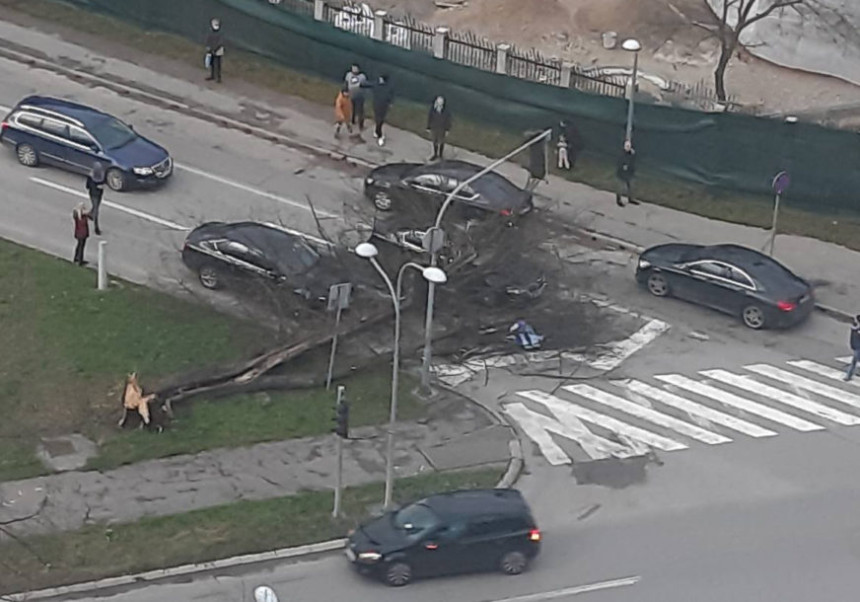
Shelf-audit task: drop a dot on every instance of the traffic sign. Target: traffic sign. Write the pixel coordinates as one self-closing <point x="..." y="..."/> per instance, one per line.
<point x="781" y="182"/>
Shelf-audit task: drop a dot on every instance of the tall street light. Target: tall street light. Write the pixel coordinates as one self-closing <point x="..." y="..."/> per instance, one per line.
<point x="436" y="243"/>
<point x="432" y="275"/>
<point x="633" y="46"/>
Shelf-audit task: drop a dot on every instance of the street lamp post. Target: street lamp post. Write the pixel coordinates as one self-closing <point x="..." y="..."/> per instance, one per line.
<point x="434" y="251"/>
<point x="433" y="275"/>
<point x="633" y="46"/>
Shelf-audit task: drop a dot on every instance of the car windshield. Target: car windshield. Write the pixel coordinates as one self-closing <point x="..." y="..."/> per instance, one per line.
<point x="415" y="518"/>
<point x="112" y="133"/>
<point x="299" y="256"/>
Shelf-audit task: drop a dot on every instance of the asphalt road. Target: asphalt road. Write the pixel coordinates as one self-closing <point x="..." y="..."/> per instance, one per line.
<point x="750" y="519"/>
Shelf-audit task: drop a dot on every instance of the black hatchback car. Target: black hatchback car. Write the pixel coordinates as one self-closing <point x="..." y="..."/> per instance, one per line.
<point x="396" y="185"/>
<point x="730" y="278"/>
<point x="220" y="252"/>
<point x="457" y="532"/>
<point x="74" y="137"/>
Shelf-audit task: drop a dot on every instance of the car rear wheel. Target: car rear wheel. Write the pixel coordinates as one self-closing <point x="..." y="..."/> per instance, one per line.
<point x="753" y="317"/>
<point x="513" y="563"/>
<point x="116" y="180"/>
<point x="210" y="277"/>
<point x="398" y="574"/>
<point x="382" y="201"/>
<point x="658" y="285"/>
<point x="27" y="155"/>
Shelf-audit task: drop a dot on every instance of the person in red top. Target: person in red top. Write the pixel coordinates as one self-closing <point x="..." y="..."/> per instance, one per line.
<point x="82" y="232"/>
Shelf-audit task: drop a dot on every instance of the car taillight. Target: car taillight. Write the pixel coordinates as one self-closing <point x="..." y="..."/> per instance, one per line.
<point x="3" y="126"/>
<point x="786" y="306"/>
<point x="534" y="535"/>
<point x="507" y="212"/>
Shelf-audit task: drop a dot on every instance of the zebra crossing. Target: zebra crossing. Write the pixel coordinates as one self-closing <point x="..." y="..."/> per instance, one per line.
<point x="628" y="418"/>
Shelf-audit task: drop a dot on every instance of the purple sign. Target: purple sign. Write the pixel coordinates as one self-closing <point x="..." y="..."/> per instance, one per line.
<point x="781" y="182"/>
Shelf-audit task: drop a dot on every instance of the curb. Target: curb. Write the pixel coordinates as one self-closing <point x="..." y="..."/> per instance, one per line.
<point x="177" y="571"/>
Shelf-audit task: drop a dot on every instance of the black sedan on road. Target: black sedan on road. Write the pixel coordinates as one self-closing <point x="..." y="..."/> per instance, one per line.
<point x="730" y="278"/>
<point x="397" y="185"/>
<point x="220" y="252"/>
<point x="447" y="533"/>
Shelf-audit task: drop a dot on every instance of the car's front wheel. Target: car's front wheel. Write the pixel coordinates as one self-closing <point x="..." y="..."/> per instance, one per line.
<point x="27" y="155"/>
<point x="513" y="563"/>
<point x="210" y="277"/>
<point x="658" y="285"/>
<point x="116" y="180"/>
<point x="398" y="574"/>
<point x="382" y="201"/>
<point x="753" y="317"/>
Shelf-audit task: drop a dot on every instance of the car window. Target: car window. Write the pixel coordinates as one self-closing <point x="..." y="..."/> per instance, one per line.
<point x="29" y="120"/>
<point x="415" y="518"/>
<point x="451" y="531"/>
<point x="466" y="193"/>
<point x="428" y="181"/>
<point x="56" y="128"/>
<point x="300" y="257"/>
<point x="241" y="252"/>
<point x="112" y="133"/>
<point x="740" y="278"/>
<point x="711" y="269"/>
<point x="81" y="137"/>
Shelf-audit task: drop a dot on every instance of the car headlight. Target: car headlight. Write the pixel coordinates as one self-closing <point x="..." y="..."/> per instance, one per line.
<point x="369" y="181"/>
<point x="644" y="264"/>
<point x="369" y="556"/>
<point x="143" y="171"/>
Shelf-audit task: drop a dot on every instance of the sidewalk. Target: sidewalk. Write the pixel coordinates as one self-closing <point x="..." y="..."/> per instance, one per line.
<point x="459" y="434"/>
<point x="834" y="269"/>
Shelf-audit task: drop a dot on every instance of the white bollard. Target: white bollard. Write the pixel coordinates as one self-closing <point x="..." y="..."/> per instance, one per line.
<point x="102" y="268"/>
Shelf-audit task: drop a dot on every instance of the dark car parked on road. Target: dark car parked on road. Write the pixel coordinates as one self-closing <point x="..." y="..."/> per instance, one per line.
<point x="219" y="252"/>
<point x="74" y="137"/>
<point x="457" y="532"/>
<point x="395" y="186"/>
<point x="730" y="278"/>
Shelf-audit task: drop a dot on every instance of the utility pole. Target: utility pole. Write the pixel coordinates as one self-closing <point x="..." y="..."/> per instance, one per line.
<point x="341" y="433"/>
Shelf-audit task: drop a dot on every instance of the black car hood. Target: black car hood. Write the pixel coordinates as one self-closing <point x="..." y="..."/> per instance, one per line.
<point x="669" y="253"/>
<point x="379" y="535"/>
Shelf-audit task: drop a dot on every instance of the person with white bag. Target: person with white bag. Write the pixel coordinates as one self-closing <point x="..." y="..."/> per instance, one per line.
<point x="214" y="50"/>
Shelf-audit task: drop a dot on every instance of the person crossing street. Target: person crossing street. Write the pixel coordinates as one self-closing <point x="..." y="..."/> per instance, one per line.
<point x="854" y="341"/>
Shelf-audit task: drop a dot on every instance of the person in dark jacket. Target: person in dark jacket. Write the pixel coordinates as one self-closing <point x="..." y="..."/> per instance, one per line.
<point x="356" y="83"/>
<point x="438" y="124"/>
<point x="96" y="190"/>
<point x="214" y="50"/>
<point x="625" y="172"/>
<point x="82" y="232"/>
<point x="854" y="341"/>
<point x="383" y="96"/>
<point x="568" y="144"/>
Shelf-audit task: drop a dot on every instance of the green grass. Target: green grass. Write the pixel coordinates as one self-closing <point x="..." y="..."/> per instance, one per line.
<point x="247" y="419"/>
<point x="67" y="348"/>
<point x="99" y="551"/>
<point x="595" y="171"/>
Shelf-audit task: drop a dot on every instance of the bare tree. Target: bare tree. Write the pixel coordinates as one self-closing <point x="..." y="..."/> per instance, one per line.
<point x="732" y="18"/>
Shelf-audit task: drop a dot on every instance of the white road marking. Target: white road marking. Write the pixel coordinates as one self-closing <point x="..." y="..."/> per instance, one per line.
<point x="252" y="190"/>
<point x="573" y="591"/>
<point x="621" y="350"/>
<point x="745" y="405"/>
<point x="658" y="418"/>
<point x="142" y="215"/>
<point x="694" y="409"/>
<point x="539" y="427"/>
<point x="778" y="395"/>
<point x="845" y="359"/>
<point x="566" y="411"/>
<point x="806" y="383"/>
<point x="824" y="371"/>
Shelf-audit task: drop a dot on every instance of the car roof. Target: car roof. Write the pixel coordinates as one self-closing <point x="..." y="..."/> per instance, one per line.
<point x="756" y="263"/>
<point x="478" y="502"/>
<point x="79" y="112"/>
<point x="497" y="191"/>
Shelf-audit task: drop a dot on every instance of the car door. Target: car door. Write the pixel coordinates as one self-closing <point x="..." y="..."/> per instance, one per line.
<point x="440" y="552"/>
<point x="53" y="142"/>
<point x="712" y="286"/>
<point x="744" y="290"/>
<point x="83" y="151"/>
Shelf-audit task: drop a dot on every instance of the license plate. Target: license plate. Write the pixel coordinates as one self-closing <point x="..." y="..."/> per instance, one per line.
<point x="350" y="554"/>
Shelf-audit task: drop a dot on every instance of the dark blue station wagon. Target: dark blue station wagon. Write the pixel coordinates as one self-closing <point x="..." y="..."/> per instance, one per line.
<point x="73" y="137"/>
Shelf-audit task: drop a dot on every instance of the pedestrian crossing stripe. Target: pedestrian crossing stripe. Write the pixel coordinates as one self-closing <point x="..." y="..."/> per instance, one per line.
<point x="635" y="399"/>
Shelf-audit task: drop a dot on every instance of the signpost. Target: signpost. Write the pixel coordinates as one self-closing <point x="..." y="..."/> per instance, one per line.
<point x="342" y="416"/>
<point x="780" y="184"/>
<point x="338" y="300"/>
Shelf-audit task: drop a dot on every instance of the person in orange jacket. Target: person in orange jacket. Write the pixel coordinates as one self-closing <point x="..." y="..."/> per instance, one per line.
<point x="342" y="112"/>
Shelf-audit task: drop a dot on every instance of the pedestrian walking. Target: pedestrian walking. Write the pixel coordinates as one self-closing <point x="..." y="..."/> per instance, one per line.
<point x="82" y="232"/>
<point x="438" y="124"/>
<point x="214" y="50"/>
<point x="854" y="341"/>
<point x="356" y="82"/>
<point x="96" y="190"/>
<point x="625" y="172"/>
<point x="383" y="96"/>
<point x="569" y="144"/>
<point x="342" y="111"/>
